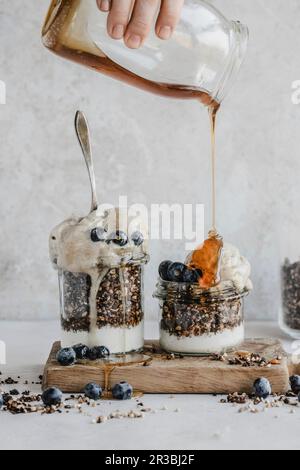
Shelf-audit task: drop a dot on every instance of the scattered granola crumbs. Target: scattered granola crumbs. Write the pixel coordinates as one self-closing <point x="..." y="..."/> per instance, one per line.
<point x="247" y="359"/>
<point x="255" y="404"/>
<point x="101" y="419"/>
<point x="9" y="381"/>
<point x="239" y="398"/>
<point x="171" y="357"/>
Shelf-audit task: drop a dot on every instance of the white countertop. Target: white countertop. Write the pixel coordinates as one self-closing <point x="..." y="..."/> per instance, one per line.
<point x="201" y="423"/>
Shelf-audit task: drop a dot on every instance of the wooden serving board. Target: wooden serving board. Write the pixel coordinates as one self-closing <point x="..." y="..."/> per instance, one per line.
<point x="186" y="375"/>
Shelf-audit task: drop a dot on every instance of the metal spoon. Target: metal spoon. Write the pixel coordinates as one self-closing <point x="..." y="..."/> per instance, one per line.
<point x="83" y="134"/>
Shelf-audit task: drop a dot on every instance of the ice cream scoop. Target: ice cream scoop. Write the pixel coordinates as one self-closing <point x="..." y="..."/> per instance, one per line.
<point x="235" y="268"/>
<point x="220" y="262"/>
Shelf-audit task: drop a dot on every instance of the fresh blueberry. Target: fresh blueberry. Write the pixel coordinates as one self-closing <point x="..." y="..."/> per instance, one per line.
<point x="93" y="354"/>
<point x="175" y="272"/>
<point x="191" y="276"/>
<point x="81" y="351"/>
<point x="118" y="238"/>
<point x="98" y="235"/>
<point x="93" y="391"/>
<point x="262" y="388"/>
<point x="98" y="352"/>
<point x="1" y="401"/>
<point x="103" y="352"/>
<point x="122" y="391"/>
<point x="66" y="357"/>
<point x="52" y="397"/>
<point x="137" y="238"/>
<point x="295" y="384"/>
<point x="163" y="270"/>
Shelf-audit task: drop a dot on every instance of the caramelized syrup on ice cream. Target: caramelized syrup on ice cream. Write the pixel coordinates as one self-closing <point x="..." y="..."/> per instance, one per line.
<point x="207" y="259"/>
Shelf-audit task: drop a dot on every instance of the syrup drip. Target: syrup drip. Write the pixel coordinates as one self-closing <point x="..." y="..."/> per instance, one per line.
<point x="207" y="257"/>
<point x="108" y="366"/>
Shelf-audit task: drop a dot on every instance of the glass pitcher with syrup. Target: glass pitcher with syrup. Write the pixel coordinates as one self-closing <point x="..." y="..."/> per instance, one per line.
<point x="200" y="61"/>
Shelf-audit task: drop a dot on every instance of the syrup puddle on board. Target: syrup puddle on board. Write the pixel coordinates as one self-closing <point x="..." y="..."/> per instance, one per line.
<point x="109" y="365"/>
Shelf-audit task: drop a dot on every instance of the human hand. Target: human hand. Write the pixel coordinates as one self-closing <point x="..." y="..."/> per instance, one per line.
<point x="132" y="20"/>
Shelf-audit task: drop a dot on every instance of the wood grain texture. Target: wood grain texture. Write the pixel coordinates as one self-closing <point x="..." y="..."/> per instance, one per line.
<point x="198" y="375"/>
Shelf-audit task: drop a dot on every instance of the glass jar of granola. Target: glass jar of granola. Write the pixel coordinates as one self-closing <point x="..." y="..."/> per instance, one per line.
<point x="101" y="273"/>
<point x="197" y="321"/>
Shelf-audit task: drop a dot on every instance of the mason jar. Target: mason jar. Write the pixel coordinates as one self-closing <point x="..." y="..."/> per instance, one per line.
<point x="112" y="316"/>
<point x="201" y="60"/>
<point x="101" y="287"/>
<point x="288" y="264"/>
<point x="200" y="322"/>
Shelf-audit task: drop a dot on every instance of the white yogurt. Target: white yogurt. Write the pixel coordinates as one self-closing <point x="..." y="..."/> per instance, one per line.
<point x="117" y="340"/>
<point x="204" y="344"/>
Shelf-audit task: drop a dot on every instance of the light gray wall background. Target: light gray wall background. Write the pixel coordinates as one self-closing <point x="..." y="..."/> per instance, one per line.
<point x="155" y="150"/>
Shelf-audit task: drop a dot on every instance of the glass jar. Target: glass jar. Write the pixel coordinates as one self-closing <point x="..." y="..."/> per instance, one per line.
<point x="101" y="281"/>
<point x="201" y="60"/>
<point x="200" y="322"/>
<point x="289" y="311"/>
<point x="114" y="317"/>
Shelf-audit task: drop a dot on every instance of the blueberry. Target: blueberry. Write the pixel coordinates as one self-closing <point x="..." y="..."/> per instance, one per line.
<point x="66" y="357"/>
<point x="175" y="272"/>
<point x="93" y="354"/>
<point x="118" y="238"/>
<point x="103" y="352"/>
<point x="93" y="391"/>
<point x="98" y="235"/>
<point x="52" y="397"/>
<point x="163" y="270"/>
<point x="1" y="401"/>
<point x="98" y="352"/>
<point x="191" y="276"/>
<point x="122" y="391"/>
<point x="262" y="388"/>
<point x="295" y="384"/>
<point x="81" y="351"/>
<point x="137" y="238"/>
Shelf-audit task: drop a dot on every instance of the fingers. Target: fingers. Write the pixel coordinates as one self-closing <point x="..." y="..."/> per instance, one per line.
<point x="118" y="18"/>
<point x="168" y="18"/>
<point x="141" y="22"/>
<point x="104" y="5"/>
<point x="133" y="19"/>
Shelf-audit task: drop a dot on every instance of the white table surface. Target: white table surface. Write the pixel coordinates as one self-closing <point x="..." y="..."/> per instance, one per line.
<point x="201" y="423"/>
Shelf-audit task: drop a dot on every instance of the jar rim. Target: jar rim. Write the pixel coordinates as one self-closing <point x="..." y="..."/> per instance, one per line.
<point x="188" y="293"/>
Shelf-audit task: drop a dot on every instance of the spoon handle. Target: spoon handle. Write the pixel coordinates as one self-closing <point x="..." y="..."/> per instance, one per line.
<point x="83" y="134"/>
